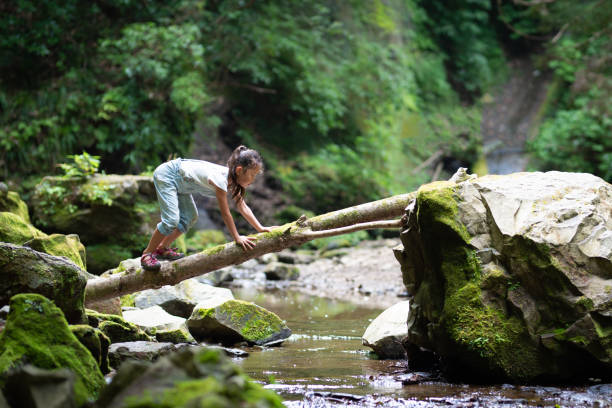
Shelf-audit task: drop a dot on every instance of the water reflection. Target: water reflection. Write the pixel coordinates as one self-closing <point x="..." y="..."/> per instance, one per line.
<point x="324" y="364"/>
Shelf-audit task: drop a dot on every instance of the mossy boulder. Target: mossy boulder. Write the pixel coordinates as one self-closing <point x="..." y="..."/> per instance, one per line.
<point x="233" y="321"/>
<point x="37" y="333"/>
<point x="96" y="342"/>
<point x="281" y="271"/>
<point x="15" y="230"/>
<point x="68" y="246"/>
<point x="24" y="270"/>
<point x="188" y="378"/>
<point x="116" y="328"/>
<point x="118" y="211"/>
<point x="509" y="276"/>
<point x="11" y="202"/>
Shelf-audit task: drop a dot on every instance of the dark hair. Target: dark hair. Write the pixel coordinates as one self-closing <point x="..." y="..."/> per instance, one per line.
<point x="247" y="159"/>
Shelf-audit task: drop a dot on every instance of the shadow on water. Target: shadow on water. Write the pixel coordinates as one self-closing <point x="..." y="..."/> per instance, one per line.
<point x="324" y="364"/>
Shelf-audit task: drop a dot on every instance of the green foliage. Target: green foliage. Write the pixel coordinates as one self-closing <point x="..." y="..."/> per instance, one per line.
<point x="576" y="134"/>
<point x="84" y="165"/>
<point x="463" y="31"/>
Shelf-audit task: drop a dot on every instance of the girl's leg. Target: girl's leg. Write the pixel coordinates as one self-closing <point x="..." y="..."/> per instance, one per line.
<point x="169" y="239"/>
<point x="156" y="239"/>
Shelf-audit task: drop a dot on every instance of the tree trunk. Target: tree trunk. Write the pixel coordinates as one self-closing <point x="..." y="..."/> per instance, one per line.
<point x="360" y="217"/>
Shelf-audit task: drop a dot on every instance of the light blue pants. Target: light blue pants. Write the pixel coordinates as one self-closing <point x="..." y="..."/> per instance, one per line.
<point x="178" y="210"/>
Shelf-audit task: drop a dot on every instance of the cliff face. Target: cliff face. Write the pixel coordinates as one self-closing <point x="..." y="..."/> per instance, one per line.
<point x="512" y="276"/>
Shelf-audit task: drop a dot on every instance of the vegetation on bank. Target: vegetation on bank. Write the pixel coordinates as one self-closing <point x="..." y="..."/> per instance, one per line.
<point x="341" y="97"/>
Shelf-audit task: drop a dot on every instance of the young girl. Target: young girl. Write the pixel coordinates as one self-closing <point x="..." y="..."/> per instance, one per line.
<point x="175" y="182"/>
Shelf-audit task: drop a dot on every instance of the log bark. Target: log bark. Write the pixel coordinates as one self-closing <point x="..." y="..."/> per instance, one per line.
<point x="360" y="217"/>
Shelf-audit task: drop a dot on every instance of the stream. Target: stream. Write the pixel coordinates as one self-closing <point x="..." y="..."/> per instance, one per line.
<point x="324" y="364"/>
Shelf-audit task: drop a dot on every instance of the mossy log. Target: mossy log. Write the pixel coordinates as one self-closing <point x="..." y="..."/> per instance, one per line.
<point x="376" y="214"/>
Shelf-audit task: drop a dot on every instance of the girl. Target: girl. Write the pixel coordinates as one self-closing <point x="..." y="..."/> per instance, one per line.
<point x="175" y="182"/>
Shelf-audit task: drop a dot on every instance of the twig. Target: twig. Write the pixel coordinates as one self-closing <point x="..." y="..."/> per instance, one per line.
<point x="427" y="162"/>
<point x="353" y="228"/>
<point x="437" y="172"/>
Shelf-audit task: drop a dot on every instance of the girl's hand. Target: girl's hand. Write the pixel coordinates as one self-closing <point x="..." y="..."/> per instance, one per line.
<point x="246" y="242"/>
<point x="268" y="229"/>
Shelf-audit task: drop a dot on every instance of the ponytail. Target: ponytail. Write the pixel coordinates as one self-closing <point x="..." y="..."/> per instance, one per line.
<point x="246" y="158"/>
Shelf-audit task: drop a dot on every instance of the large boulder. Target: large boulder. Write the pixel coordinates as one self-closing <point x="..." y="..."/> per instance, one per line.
<point x="37" y="333"/>
<point x="233" y="321"/>
<point x="512" y="276"/>
<point x="24" y="270"/>
<point x="189" y="378"/>
<point x="111" y="210"/>
<point x="387" y="332"/>
<point x="180" y="299"/>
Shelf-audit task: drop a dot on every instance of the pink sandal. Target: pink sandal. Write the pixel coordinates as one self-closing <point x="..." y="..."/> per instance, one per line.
<point x="169" y="254"/>
<point x="149" y="262"/>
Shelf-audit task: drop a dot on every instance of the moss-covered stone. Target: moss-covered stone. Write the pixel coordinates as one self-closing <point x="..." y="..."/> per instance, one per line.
<point x="174" y="336"/>
<point x="236" y="320"/>
<point x="15" y="230"/>
<point x="37" y="333"/>
<point x="11" y="202"/>
<point x="203" y="378"/>
<point x="68" y="246"/>
<point x="24" y="270"/>
<point x="96" y="342"/>
<point x="116" y="328"/>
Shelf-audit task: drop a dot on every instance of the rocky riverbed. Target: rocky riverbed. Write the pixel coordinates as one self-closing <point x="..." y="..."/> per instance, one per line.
<point x="367" y="274"/>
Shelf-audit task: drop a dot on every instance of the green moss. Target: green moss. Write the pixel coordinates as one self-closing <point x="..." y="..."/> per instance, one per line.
<point x="11" y="202"/>
<point x="37" y="332"/>
<point x="96" y="342"/>
<point x="122" y="332"/>
<point x="16" y="230"/>
<point x="256" y="322"/>
<point x="204" y="313"/>
<point x="174" y="336"/>
<point x="68" y="246"/>
<point x="500" y="340"/>
<point x="128" y="300"/>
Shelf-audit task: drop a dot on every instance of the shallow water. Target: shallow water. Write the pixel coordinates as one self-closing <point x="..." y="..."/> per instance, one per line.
<point x="324" y="364"/>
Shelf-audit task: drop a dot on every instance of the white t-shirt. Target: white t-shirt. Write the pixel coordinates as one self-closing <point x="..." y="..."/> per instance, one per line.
<point x="202" y="172"/>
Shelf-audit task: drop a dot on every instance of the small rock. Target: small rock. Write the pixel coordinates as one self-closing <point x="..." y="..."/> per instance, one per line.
<point x="138" y="350"/>
<point x="385" y="334"/>
<point x="154" y="318"/>
<point x="281" y="271"/>
<point x="234" y="321"/>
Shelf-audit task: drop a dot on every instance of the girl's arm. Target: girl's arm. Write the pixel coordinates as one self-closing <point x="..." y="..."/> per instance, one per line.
<point x="245" y="242"/>
<point x="246" y="212"/>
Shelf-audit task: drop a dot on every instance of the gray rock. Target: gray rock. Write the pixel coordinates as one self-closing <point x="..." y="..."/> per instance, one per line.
<point x="512" y="275"/>
<point x="137" y="350"/>
<point x="232" y="321"/>
<point x="153" y="318"/>
<point x="281" y="271"/>
<point x="386" y="333"/>
<point x="180" y="299"/>
<point x="33" y="387"/>
<point x="24" y="270"/>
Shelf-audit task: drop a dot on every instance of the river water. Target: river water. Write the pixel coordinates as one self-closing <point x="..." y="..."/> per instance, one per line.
<point x="324" y="364"/>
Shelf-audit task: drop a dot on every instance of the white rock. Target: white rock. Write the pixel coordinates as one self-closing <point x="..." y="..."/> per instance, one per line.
<point x="385" y="334"/>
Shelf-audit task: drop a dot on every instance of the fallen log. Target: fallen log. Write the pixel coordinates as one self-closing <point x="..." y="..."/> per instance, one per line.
<point x="371" y="215"/>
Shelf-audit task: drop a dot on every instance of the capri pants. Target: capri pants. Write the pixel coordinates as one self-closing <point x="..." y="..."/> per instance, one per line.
<point x="178" y="210"/>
